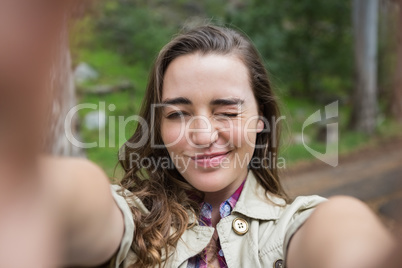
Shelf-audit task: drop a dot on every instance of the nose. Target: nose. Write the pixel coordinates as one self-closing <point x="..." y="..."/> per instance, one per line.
<point x="202" y="132"/>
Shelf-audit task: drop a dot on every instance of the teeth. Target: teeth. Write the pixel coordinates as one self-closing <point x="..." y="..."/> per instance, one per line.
<point x="208" y="157"/>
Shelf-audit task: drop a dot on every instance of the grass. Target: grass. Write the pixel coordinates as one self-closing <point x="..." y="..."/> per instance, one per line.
<point x="112" y="71"/>
<point x="114" y="135"/>
<point x="112" y="68"/>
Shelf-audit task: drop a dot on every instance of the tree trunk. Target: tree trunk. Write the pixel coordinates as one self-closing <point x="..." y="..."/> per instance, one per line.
<point x="59" y="140"/>
<point x="365" y="25"/>
<point x="396" y="95"/>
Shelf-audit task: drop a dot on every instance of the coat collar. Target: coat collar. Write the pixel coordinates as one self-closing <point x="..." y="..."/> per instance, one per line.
<point x="255" y="203"/>
<point x="193" y="241"/>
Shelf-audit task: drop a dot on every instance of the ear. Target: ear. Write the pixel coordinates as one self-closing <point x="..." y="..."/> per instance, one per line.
<point x="260" y="125"/>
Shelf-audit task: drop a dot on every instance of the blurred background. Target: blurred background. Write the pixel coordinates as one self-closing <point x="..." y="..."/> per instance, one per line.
<point x="316" y="52"/>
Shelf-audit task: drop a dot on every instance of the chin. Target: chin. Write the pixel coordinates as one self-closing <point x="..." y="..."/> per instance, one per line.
<point x="208" y="182"/>
<point x="209" y="188"/>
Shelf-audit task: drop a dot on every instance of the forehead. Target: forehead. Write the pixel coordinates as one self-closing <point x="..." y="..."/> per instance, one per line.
<point x="205" y="77"/>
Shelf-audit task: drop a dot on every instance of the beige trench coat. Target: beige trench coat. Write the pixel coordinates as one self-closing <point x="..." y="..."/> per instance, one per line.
<point x="263" y="244"/>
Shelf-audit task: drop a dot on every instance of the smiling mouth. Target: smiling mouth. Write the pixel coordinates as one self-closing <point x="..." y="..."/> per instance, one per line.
<point x="209" y="156"/>
<point x="212" y="160"/>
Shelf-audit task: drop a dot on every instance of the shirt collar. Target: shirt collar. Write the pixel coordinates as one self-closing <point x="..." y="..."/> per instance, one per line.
<point x="254" y="202"/>
<point x="225" y="208"/>
<point x="235" y="196"/>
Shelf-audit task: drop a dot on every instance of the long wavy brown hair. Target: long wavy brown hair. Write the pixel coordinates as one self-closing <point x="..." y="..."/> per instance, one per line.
<point x="169" y="198"/>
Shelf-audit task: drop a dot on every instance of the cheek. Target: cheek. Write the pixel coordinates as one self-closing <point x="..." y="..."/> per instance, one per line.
<point x="173" y="136"/>
<point x="235" y="135"/>
<point x="251" y="139"/>
<point x="243" y="134"/>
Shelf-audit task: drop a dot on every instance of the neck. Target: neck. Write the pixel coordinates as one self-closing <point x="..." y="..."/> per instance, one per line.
<point x="215" y="199"/>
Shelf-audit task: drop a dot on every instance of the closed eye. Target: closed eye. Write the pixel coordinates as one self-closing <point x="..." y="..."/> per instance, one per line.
<point x="176" y="115"/>
<point x="228" y="115"/>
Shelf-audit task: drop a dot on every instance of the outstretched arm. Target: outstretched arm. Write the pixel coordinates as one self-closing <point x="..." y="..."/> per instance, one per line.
<point x="91" y="222"/>
<point x="342" y="232"/>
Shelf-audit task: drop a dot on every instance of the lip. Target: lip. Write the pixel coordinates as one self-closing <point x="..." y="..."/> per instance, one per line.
<point x="210" y="160"/>
<point x="200" y="156"/>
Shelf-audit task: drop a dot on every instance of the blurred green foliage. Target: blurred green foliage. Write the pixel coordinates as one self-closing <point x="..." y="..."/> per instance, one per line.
<point x="137" y="30"/>
<point x="306" y="45"/>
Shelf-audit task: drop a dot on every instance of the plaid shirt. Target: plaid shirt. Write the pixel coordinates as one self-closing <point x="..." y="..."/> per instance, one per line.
<point x="200" y="260"/>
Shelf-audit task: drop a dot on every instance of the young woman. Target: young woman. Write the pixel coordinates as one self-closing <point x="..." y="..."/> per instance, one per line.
<point x="201" y="188"/>
<point x="220" y="203"/>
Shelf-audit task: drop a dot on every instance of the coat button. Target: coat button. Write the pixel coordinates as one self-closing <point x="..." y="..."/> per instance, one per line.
<point x="278" y="264"/>
<point x="240" y="226"/>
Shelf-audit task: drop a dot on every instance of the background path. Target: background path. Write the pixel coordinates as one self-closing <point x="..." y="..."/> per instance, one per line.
<point x="373" y="175"/>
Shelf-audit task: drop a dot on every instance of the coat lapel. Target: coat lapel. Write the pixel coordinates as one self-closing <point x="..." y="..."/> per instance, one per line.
<point x="192" y="242"/>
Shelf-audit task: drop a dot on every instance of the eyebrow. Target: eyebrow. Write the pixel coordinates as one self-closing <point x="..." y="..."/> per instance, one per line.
<point x="175" y="101"/>
<point x="214" y="102"/>
<point x="227" y="102"/>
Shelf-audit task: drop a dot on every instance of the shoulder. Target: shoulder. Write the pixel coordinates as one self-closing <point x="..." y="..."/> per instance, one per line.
<point x="125" y="200"/>
<point x="302" y="205"/>
<point x="290" y="216"/>
<point x="297" y="212"/>
<point x="286" y="220"/>
<point x="124" y="196"/>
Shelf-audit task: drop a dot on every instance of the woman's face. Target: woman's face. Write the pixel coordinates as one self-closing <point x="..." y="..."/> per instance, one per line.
<point x="210" y="120"/>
